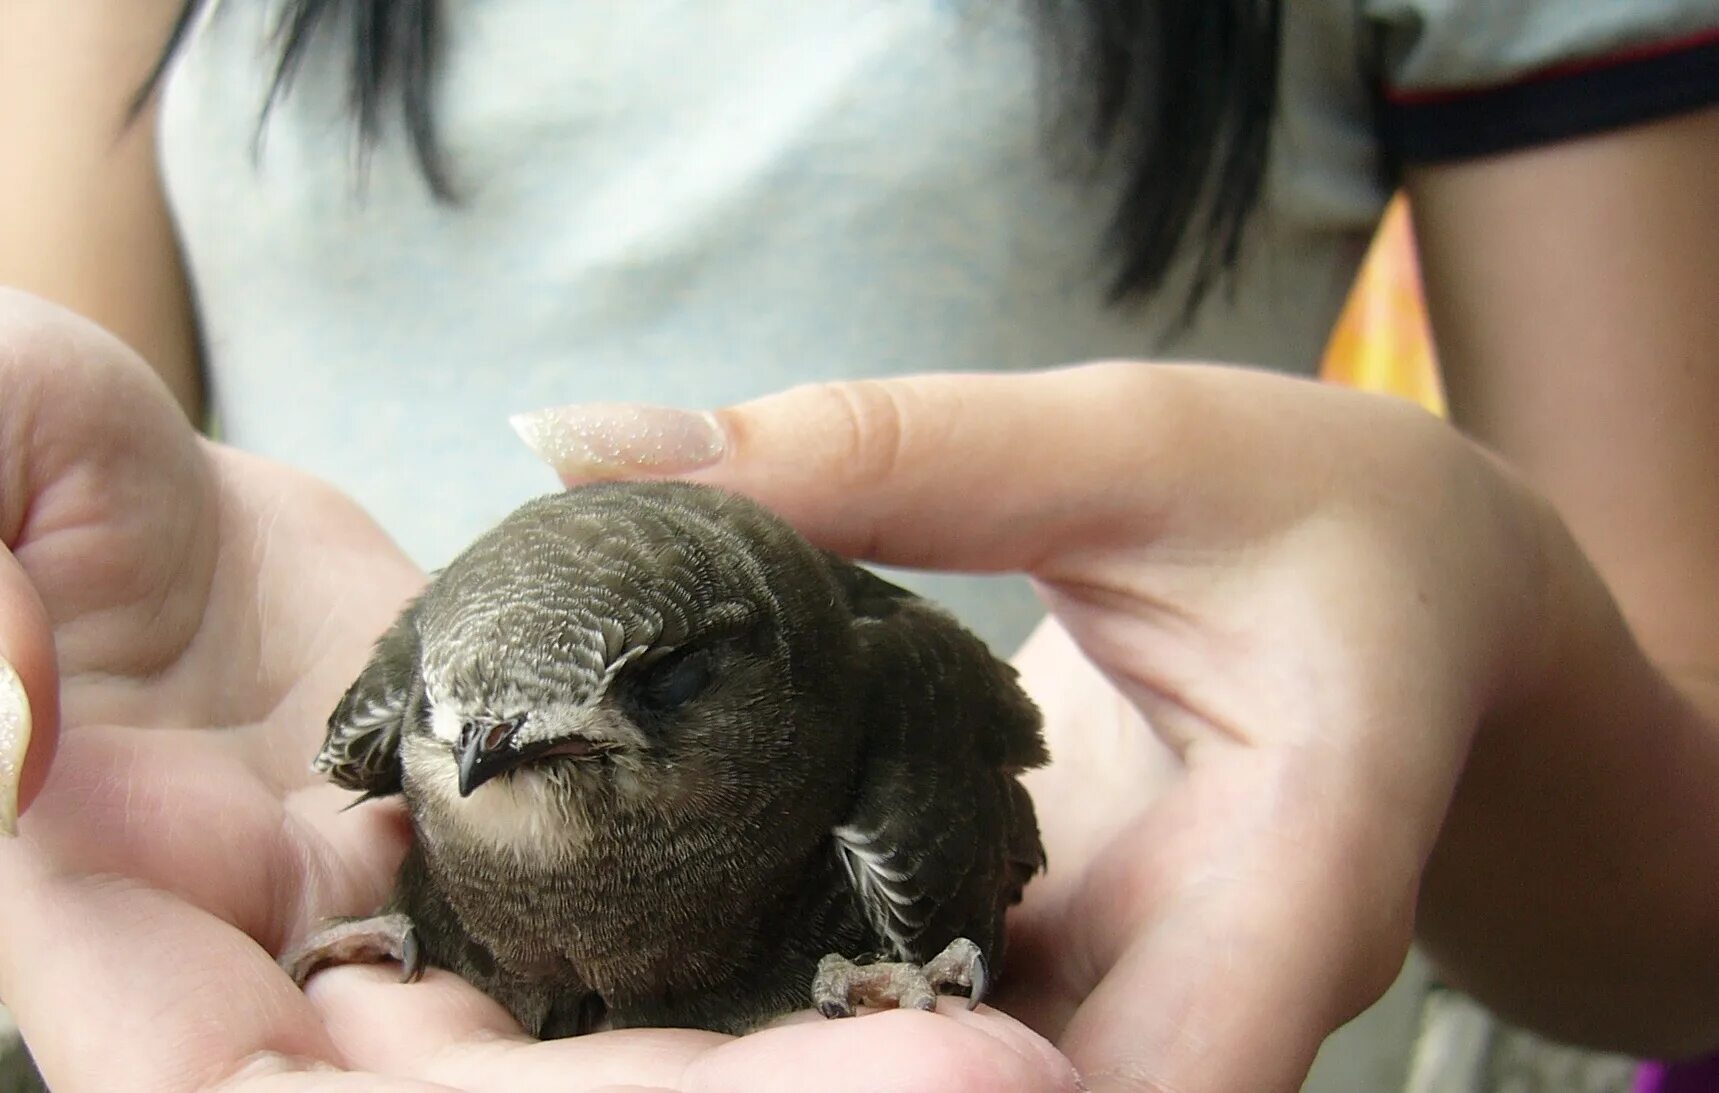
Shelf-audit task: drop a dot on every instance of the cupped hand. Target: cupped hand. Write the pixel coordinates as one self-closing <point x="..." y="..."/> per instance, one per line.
<point x="1280" y="611"/>
<point x="182" y="618"/>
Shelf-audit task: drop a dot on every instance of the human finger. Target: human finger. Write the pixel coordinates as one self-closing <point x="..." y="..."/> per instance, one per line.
<point x="101" y="491"/>
<point x="119" y="986"/>
<point x="29" y="693"/>
<point x="896" y="1049"/>
<point x="990" y="471"/>
<point x="965" y="471"/>
<point x="181" y="811"/>
<point x="271" y="1072"/>
<point x="444" y="1029"/>
<point x="136" y="898"/>
<point x="1248" y="914"/>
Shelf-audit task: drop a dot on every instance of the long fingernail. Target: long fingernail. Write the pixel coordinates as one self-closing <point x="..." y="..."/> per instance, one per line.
<point x="14" y="741"/>
<point x="620" y="440"/>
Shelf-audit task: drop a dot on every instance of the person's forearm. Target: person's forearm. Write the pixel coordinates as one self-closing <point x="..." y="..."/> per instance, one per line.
<point x="82" y="219"/>
<point x="1575" y="887"/>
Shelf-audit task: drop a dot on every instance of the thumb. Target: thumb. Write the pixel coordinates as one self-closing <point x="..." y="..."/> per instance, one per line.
<point x="974" y="472"/>
<point x="1236" y="926"/>
<point x="29" y="693"/>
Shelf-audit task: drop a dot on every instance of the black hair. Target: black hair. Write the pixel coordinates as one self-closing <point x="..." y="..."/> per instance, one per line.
<point x="1174" y="98"/>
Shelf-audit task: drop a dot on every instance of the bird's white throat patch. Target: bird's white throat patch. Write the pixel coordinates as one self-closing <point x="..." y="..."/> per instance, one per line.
<point x="522" y="812"/>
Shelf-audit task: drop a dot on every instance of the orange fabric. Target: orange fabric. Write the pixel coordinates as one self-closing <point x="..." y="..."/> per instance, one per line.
<point x="1381" y="341"/>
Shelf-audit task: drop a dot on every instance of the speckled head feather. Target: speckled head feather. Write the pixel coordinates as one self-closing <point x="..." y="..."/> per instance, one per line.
<point x="573" y="588"/>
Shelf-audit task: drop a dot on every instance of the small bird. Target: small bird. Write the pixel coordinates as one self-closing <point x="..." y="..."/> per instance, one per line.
<point x="668" y="764"/>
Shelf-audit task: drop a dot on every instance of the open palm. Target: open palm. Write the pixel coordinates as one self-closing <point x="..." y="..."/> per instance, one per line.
<point x="1280" y="612"/>
<point x="194" y="613"/>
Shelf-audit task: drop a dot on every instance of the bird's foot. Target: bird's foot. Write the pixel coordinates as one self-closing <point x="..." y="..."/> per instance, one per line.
<point x="840" y="984"/>
<point x="359" y="941"/>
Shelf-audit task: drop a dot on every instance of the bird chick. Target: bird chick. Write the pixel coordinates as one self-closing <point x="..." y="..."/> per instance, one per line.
<point x="668" y="764"/>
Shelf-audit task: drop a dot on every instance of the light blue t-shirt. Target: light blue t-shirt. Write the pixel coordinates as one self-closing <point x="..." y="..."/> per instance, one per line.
<point x="681" y="203"/>
<point x="699" y="203"/>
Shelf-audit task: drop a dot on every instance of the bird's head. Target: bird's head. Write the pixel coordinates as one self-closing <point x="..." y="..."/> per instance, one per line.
<point x="622" y="648"/>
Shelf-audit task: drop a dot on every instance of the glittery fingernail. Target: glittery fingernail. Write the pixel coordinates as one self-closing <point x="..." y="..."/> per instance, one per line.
<point x="620" y="440"/>
<point x="14" y="741"/>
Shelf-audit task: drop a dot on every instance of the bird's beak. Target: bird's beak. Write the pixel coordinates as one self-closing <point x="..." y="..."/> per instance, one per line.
<point x="484" y="751"/>
<point x="488" y="749"/>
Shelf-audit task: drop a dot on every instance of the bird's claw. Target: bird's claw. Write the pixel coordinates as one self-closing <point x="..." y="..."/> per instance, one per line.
<point x="840" y="984"/>
<point x="960" y="964"/>
<point x="359" y="941"/>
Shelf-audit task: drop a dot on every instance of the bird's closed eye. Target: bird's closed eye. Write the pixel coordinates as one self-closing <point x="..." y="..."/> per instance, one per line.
<point x="674" y="680"/>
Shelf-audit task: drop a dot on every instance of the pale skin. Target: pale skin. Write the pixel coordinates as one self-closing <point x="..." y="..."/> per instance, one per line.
<point x="1389" y="678"/>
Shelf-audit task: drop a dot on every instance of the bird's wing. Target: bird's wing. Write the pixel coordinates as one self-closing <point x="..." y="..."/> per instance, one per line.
<point x="942" y="837"/>
<point x="362" y="750"/>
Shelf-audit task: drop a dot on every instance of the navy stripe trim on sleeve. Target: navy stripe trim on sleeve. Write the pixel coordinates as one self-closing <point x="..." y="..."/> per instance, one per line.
<point x="1555" y="104"/>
